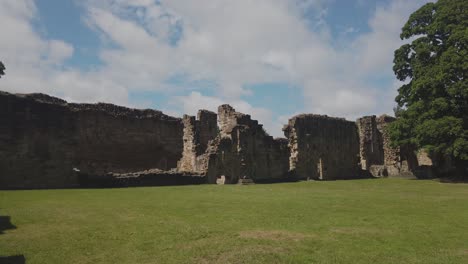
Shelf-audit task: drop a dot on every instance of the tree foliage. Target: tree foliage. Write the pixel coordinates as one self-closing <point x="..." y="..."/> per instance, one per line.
<point x="433" y="102"/>
<point x="2" y="69"/>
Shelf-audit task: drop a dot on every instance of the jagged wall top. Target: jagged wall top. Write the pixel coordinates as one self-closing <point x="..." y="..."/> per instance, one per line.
<point x="229" y="118"/>
<point x="111" y="109"/>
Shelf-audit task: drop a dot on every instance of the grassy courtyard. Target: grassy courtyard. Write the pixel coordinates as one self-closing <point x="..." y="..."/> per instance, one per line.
<point x="360" y="221"/>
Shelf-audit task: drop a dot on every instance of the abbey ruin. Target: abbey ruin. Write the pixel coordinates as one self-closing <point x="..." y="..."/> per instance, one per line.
<point x="46" y="142"/>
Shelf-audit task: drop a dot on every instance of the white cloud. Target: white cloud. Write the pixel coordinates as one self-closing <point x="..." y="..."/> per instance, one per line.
<point x="351" y="30"/>
<point x="229" y="43"/>
<point x="59" y="51"/>
<point x="376" y="48"/>
<point x="337" y="82"/>
<point x="36" y="64"/>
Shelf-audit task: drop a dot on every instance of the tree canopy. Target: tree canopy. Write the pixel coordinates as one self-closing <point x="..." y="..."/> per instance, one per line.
<point x="2" y="69"/>
<point x="432" y="106"/>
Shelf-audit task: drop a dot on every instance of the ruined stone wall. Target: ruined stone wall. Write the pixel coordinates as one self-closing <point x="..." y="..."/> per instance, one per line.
<point x="197" y="135"/>
<point x="226" y="119"/>
<point x="244" y="149"/>
<point x="187" y="162"/>
<point x="43" y="138"/>
<point x="370" y="142"/>
<point x="207" y="127"/>
<point x="378" y="157"/>
<point x="423" y="158"/>
<point x="391" y="155"/>
<point x="391" y="161"/>
<point x="322" y="147"/>
<point x="36" y="149"/>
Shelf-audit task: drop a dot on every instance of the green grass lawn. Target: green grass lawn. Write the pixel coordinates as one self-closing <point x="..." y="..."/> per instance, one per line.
<point x="360" y="221"/>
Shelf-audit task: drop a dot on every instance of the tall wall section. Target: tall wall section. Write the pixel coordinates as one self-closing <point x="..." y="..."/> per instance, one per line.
<point x="197" y="135"/>
<point x="244" y="150"/>
<point x="370" y="142"/>
<point x="391" y="155"/>
<point x="322" y="147"/>
<point x="43" y="139"/>
<point x="378" y="157"/>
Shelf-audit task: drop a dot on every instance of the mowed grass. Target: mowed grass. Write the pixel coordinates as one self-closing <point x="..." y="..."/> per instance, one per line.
<point x="359" y="221"/>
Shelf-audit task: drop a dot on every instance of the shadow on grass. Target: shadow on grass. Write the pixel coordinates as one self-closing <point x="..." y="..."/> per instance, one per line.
<point x="5" y="224"/>
<point x="20" y="259"/>
<point x="453" y="180"/>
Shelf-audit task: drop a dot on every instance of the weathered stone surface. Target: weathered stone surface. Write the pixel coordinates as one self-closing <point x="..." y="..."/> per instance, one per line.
<point x="46" y="142"/>
<point x="221" y="180"/>
<point x="244" y="150"/>
<point x="370" y="142"/>
<point x="187" y="163"/>
<point x="322" y="147"/>
<point x="197" y="135"/>
<point x="378" y="170"/>
<point x="391" y="155"/>
<point x="423" y="158"/>
<point x="43" y="138"/>
<point x="207" y="129"/>
<point x="377" y="154"/>
<point x="245" y="182"/>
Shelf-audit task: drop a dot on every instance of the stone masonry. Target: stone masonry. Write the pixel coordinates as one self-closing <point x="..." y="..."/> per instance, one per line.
<point x="46" y="142"/>
<point x="322" y="147"/>
<point x="197" y="135"/>
<point x="243" y="150"/>
<point x="378" y="157"/>
<point x="370" y="142"/>
<point x="391" y="155"/>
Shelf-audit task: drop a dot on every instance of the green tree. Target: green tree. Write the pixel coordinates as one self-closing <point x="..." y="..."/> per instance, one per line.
<point x="2" y="69"/>
<point x="433" y="102"/>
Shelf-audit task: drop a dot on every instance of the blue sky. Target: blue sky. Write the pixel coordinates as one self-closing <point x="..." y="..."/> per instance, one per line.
<point x="269" y="58"/>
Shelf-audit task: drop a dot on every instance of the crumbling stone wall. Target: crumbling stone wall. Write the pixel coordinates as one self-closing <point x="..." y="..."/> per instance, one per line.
<point x="187" y="163"/>
<point x="322" y="147"/>
<point x="391" y="155"/>
<point x="378" y="157"/>
<point x="197" y="135"/>
<point x="42" y="139"/>
<point x="46" y="142"/>
<point x="244" y="150"/>
<point x="207" y="126"/>
<point x="35" y="142"/>
<point x="370" y="142"/>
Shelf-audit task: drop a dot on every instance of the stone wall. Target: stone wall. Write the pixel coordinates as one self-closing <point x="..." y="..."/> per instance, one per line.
<point x="46" y="142"/>
<point x="391" y="155"/>
<point x="187" y="162"/>
<point x="244" y="150"/>
<point x="197" y="135"/>
<point x="322" y="147"/>
<point x="42" y="139"/>
<point x="370" y="142"/>
<point x="207" y="126"/>
<point x="378" y="157"/>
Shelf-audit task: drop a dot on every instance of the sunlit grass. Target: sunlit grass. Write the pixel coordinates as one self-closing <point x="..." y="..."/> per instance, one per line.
<point x="361" y="221"/>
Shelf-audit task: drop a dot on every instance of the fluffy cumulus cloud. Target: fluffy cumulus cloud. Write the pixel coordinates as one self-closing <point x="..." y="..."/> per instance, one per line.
<point x="167" y="46"/>
<point x="36" y="64"/>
